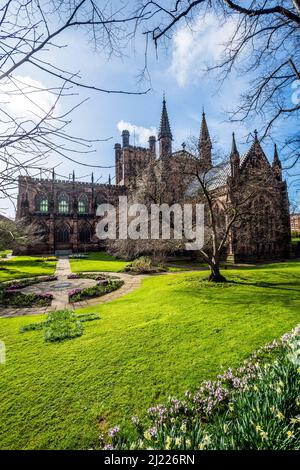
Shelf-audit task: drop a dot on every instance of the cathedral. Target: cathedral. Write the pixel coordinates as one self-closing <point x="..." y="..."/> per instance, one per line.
<point x="64" y="211"/>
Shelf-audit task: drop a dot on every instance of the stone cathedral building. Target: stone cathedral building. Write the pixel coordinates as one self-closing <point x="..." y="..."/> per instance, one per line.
<point x="64" y="212"/>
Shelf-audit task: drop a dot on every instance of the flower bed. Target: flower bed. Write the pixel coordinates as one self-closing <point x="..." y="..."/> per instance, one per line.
<point x="45" y="259"/>
<point x="96" y="276"/>
<point x="16" y="298"/>
<point x="28" y="282"/>
<point x="256" y="406"/>
<point x="78" y="256"/>
<point x="104" y="286"/>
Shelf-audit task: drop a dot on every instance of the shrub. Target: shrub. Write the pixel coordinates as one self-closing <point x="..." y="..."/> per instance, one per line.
<point x="257" y="406"/>
<point x="143" y="265"/>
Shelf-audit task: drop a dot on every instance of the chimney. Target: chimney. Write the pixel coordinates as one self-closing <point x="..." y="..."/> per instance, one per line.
<point x="125" y="138"/>
<point x="152" y="144"/>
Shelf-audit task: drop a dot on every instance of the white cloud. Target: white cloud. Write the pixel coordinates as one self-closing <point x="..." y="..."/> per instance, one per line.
<point x="26" y="98"/>
<point x="194" y="49"/>
<point x="138" y="133"/>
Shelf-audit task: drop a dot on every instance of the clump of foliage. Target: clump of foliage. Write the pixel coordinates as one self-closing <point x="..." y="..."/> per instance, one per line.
<point x="255" y="407"/>
<point x="78" y="256"/>
<point x="61" y="325"/>
<point x="143" y="265"/>
<point x="103" y="287"/>
<point x="45" y="259"/>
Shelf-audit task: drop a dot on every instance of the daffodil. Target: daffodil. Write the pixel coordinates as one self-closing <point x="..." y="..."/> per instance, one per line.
<point x="280" y="416"/>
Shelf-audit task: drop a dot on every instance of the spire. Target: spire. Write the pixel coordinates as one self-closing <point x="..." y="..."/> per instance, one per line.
<point x="276" y="157"/>
<point x="165" y="135"/>
<point x="204" y="144"/>
<point x="277" y="169"/>
<point x="109" y="179"/>
<point x="234" y="158"/>
<point x="164" y="127"/>
<point x="255" y="135"/>
<point x="73" y="176"/>
<point x="234" y="150"/>
<point x="92" y="178"/>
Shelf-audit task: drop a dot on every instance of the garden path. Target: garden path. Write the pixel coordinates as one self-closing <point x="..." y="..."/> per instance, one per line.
<point x="60" y="296"/>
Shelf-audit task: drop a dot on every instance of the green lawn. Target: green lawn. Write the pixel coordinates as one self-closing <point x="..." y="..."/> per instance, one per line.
<point x="164" y="338"/>
<point x="25" y="266"/>
<point x="98" y="261"/>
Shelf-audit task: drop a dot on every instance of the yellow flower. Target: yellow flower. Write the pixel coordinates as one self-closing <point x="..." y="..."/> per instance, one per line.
<point x="168" y="443"/>
<point x="290" y="434"/>
<point x="264" y="435"/>
<point x="258" y="428"/>
<point x="231" y="407"/>
<point x="147" y="435"/>
<point x="183" y="428"/>
<point x="188" y="443"/>
<point x="280" y="416"/>
<point x="178" y="441"/>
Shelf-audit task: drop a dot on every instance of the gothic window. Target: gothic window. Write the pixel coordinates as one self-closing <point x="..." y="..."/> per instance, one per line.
<point x="83" y="204"/>
<point x="63" y="204"/>
<point x="85" y="234"/>
<point x="42" y="204"/>
<point x="62" y="234"/>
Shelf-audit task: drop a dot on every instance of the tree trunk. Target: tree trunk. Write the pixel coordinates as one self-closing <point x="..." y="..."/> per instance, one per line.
<point x="215" y="275"/>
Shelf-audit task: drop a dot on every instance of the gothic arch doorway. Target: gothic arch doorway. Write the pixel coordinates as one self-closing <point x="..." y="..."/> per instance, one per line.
<point x="62" y="237"/>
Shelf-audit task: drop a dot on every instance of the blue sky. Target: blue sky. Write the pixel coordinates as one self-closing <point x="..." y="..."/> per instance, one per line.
<point x="178" y="71"/>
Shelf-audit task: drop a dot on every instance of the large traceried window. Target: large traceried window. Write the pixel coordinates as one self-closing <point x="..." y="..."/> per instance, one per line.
<point x="83" y="204"/>
<point x="42" y="203"/>
<point x="63" y="204"/>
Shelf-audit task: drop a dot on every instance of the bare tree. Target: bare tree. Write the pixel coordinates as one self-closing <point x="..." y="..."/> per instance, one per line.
<point x="264" y="46"/>
<point x="31" y="32"/>
<point x="17" y="235"/>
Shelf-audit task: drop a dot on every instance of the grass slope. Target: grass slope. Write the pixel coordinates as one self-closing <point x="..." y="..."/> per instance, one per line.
<point x="97" y="261"/>
<point x="164" y="338"/>
<point x="25" y="266"/>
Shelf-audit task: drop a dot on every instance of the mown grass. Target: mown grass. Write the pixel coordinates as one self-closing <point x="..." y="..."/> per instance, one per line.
<point x="98" y="261"/>
<point x="25" y="266"/>
<point x="173" y="332"/>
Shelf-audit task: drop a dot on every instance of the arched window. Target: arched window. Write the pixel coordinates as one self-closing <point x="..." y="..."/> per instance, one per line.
<point x="85" y="234"/>
<point x="83" y="204"/>
<point x="42" y="204"/>
<point x="62" y="234"/>
<point x="63" y="204"/>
